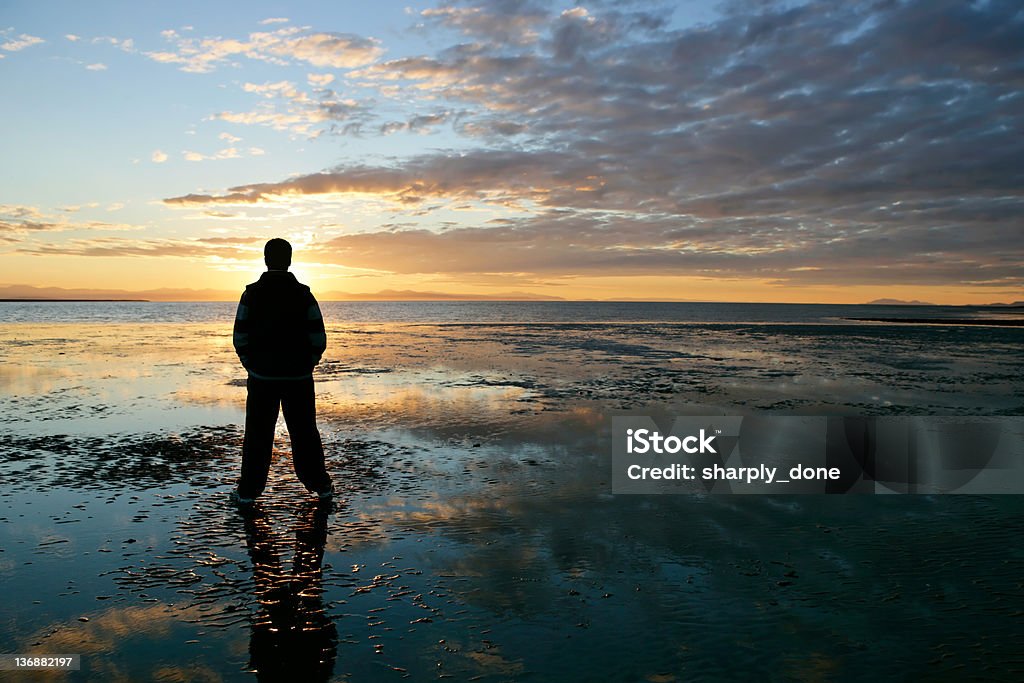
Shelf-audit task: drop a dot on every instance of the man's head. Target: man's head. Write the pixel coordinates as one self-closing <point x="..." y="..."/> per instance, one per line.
<point x="277" y="254"/>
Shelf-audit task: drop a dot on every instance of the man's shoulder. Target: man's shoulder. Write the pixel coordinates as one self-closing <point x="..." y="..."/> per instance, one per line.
<point x="277" y="286"/>
<point x="303" y="289"/>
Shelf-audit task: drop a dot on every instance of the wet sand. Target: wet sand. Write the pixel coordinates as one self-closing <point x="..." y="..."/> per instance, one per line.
<point x="475" y="533"/>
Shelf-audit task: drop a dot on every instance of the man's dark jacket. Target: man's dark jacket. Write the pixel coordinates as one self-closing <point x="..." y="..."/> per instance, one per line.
<point x="279" y="331"/>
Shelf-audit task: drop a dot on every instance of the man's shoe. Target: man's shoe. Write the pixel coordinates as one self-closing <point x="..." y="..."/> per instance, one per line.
<point x="239" y="500"/>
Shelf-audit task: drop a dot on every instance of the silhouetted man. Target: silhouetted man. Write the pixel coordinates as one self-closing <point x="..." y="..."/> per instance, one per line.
<point x="279" y="337"/>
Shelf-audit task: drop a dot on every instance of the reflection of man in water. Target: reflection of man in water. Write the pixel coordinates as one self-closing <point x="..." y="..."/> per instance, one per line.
<point x="279" y="337"/>
<point x="293" y="638"/>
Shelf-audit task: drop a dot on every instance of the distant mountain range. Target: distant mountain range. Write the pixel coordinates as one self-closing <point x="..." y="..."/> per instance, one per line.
<point x="898" y="302"/>
<point x="915" y="302"/>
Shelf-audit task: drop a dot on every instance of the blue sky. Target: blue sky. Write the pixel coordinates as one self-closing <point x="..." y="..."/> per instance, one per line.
<point x="129" y="105"/>
<point x="736" y="151"/>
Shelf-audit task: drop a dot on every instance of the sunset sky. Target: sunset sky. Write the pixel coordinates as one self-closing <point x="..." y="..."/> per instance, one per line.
<point x="733" y="151"/>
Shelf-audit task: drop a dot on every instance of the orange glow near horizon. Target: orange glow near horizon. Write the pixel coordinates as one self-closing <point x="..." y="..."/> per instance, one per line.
<point x="192" y="280"/>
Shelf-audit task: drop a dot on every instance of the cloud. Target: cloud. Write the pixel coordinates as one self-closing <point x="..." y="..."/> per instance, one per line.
<point x="21" y="220"/>
<point x="828" y="143"/>
<point x="98" y="66"/>
<point x="327" y="49"/>
<point x="19" y="43"/>
<point x="284" y="107"/>
<point x="123" y="44"/>
<point x="559" y="245"/>
<point x="275" y="20"/>
<point x="70" y="208"/>
<point x="496" y="175"/>
<point x="202" y="248"/>
<point x="283" y="46"/>
<point x="158" y="157"/>
<point x="320" y="80"/>
<point x="280" y="88"/>
<point x="421" y="123"/>
<point x="501" y="22"/>
<point x="300" y="123"/>
<point x="72" y="37"/>
<point x="226" y="153"/>
<point x="231" y="139"/>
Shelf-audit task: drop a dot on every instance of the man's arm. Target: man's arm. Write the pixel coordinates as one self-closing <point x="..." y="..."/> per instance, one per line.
<point x="315" y="328"/>
<point x="240" y="338"/>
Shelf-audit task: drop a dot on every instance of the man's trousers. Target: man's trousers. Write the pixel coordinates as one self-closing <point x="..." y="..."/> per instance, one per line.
<point x="298" y="401"/>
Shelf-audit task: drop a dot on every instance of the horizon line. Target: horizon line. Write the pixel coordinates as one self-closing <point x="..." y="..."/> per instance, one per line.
<point x="1014" y="304"/>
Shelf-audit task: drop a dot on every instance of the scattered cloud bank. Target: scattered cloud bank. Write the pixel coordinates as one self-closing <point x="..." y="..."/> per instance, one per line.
<point x="283" y="46"/>
<point x="19" y="221"/>
<point x="283" y="106"/>
<point x="12" y="43"/>
<point x="204" y="247"/>
<point x="827" y="143"/>
<point x="822" y="143"/>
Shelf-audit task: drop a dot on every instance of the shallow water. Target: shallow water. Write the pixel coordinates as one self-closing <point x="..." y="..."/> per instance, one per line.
<point x="135" y="312"/>
<point x="475" y="533"/>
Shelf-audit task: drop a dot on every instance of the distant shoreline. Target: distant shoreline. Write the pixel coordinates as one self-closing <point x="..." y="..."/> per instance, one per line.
<point x="57" y="301"/>
<point x="945" y="321"/>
